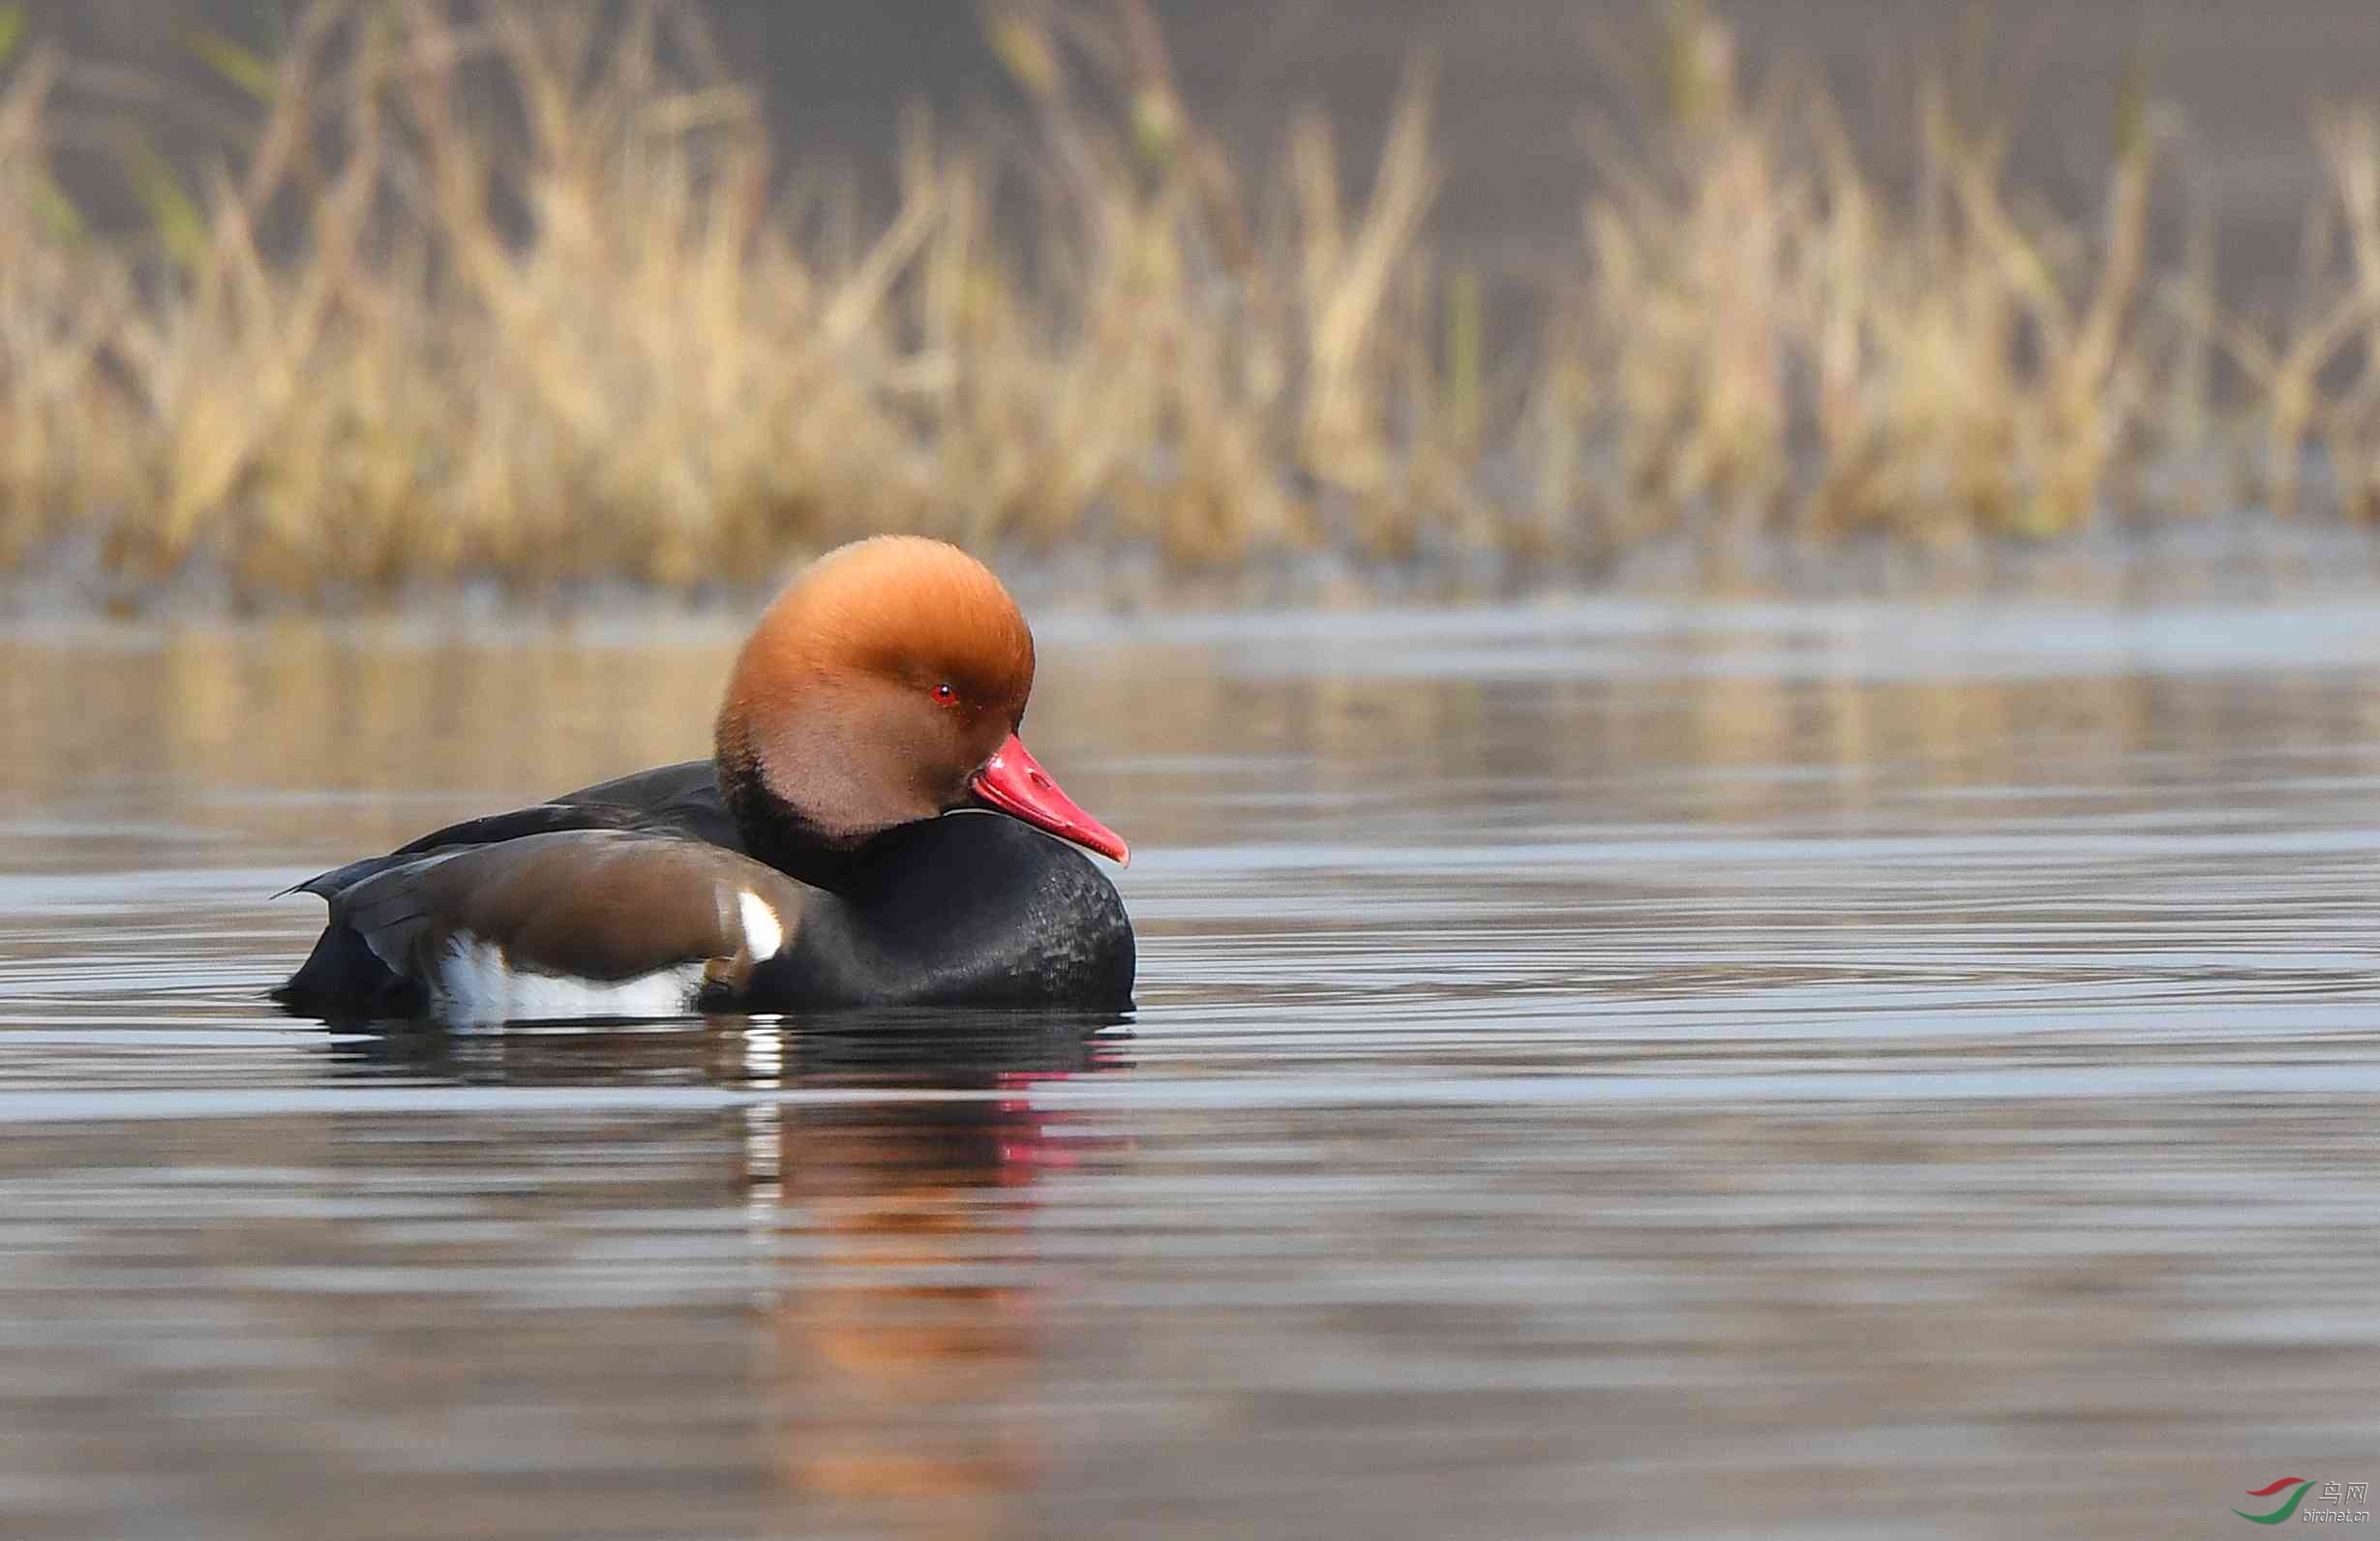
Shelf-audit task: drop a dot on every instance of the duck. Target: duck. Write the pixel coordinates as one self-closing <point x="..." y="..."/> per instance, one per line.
<point x="869" y="830"/>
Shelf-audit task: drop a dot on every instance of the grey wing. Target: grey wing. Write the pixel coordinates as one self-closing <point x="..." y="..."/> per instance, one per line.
<point x="573" y="924"/>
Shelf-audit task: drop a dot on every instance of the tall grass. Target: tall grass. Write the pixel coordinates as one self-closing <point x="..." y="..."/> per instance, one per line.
<point x="525" y="290"/>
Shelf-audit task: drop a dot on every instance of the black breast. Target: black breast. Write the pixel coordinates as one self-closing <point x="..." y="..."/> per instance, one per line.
<point x="975" y="908"/>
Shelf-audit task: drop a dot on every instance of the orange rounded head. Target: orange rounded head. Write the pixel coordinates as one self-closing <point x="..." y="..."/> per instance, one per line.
<point x="884" y="685"/>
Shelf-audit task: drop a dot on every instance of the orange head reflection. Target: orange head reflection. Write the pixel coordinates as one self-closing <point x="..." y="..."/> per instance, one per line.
<point x="911" y="1316"/>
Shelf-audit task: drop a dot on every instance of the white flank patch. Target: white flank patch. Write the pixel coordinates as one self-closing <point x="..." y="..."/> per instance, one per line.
<point x="762" y="932"/>
<point x="476" y="988"/>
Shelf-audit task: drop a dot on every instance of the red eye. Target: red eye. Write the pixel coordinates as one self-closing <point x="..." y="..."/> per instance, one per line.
<point x="946" y="695"/>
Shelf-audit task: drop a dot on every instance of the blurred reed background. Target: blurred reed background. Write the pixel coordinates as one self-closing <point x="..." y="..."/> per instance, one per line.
<point x="345" y="296"/>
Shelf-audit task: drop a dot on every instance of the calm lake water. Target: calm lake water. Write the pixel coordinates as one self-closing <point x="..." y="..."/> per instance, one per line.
<point x="1617" y="1068"/>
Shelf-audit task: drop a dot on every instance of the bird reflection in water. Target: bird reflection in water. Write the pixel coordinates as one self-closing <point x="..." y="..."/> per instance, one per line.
<point x="906" y="1310"/>
<point x="906" y="1338"/>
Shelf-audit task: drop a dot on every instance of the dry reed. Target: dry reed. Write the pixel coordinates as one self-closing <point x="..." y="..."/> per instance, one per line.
<point x="525" y="290"/>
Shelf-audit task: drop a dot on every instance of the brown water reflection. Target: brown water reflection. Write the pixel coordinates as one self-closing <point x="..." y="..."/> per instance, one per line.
<point x="903" y="1340"/>
<point x="1603" y="1069"/>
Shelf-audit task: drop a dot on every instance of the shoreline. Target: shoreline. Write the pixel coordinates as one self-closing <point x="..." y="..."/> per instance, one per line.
<point x="2238" y="559"/>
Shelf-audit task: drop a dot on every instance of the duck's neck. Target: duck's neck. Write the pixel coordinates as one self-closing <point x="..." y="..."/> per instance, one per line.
<point x="775" y="831"/>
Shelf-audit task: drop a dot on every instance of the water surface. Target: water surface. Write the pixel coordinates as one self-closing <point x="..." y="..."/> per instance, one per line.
<point x="1616" y="1068"/>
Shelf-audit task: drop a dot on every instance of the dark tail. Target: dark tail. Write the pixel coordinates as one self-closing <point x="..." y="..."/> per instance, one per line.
<point x="343" y="981"/>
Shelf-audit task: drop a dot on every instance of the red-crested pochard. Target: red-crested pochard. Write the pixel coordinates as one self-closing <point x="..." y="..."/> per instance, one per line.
<point x="806" y="864"/>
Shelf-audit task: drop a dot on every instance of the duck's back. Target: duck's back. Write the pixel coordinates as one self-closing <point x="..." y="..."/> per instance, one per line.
<point x="344" y="977"/>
